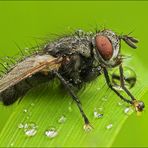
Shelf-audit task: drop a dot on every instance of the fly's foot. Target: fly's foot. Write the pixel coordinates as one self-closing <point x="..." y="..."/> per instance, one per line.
<point x="138" y="105"/>
<point x="87" y="127"/>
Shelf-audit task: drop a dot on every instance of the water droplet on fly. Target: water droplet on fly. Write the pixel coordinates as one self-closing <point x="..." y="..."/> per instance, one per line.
<point x="128" y="111"/>
<point x="109" y="126"/>
<point x="129" y="77"/>
<point x="51" y="133"/>
<point x="62" y="119"/>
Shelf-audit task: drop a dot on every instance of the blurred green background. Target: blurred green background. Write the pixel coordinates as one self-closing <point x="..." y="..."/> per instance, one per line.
<point x="23" y="22"/>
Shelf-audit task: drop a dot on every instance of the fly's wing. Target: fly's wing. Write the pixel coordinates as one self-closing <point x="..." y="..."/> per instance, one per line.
<point x="27" y="68"/>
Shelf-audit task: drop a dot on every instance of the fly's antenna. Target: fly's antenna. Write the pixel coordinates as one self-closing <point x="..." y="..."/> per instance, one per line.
<point x="130" y="41"/>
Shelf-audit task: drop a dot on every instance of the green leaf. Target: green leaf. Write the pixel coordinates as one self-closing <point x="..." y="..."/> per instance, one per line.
<point x="46" y="104"/>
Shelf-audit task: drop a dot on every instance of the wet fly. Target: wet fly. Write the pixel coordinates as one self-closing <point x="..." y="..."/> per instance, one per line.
<point x="75" y="60"/>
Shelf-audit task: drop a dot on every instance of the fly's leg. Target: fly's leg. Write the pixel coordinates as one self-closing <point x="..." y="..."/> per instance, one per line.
<point x="139" y="105"/>
<point x="76" y="99"/>
<point x="112" y="88"/>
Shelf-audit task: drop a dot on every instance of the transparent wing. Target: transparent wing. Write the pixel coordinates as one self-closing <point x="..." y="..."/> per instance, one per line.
<point x="27" y="68"/>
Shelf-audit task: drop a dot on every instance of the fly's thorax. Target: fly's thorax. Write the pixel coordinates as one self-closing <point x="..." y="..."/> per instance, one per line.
<point x="106" y="48"/>
<point x="74" y="44"/>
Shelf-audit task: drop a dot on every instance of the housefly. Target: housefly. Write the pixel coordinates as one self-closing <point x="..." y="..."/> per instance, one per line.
<point x="75" y="59"/>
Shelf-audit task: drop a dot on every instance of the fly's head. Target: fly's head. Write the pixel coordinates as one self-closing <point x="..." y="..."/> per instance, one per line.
<point x="107" y="47"/>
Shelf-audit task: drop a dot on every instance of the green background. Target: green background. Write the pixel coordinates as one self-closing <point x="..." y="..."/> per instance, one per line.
<point x="23" y="22"/>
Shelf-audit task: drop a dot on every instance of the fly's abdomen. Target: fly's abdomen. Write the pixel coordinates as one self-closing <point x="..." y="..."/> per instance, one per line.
<point x="13" y="93"/>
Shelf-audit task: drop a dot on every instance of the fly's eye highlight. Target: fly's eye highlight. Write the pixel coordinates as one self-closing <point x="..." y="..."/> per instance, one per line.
<point x="104" y="47"/>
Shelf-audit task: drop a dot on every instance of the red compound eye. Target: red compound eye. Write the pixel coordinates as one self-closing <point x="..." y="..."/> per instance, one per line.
<point x="104" y="47"/>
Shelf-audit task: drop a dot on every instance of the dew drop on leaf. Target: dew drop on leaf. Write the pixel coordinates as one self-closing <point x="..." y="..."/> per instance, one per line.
<point x="21" y="125"/>
<point x="128" y="111"/>
<point x="30" y="132"/>
<point x="12" y="144"/>
<point x="109" y="126"/>
<point x="25" y="110"/>
<point x="62" y="119"/>
<point x="51" y="133"/>
<point x="30" y="129"/>
<point x="98" y="112"/>
<point x="97" y="115"/>
<point x="120" y="103"/>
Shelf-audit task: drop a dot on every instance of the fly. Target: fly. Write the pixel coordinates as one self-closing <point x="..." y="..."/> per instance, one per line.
<point x="74" y="60"/>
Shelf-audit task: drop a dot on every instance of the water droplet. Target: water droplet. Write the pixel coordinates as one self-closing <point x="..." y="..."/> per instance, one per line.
<point x="12" y="144"/>
<point x="119" y="88"/>
<point x="109" y="126"/>
<point x="129" y="77"/>
<point x="30" y="129"/>
<point x="62" y="119"/>
<point x="21" y="125"/>
<point x="30" y="132"/>
<point x="25" y="110"/>
<point x="120" y="103"/>
<point x="51" y="133"/>
<point x="98" y="112"/>
<point x="25" y="125"/>
<point x="97" y="115"/>
<point x="128" y="111"/>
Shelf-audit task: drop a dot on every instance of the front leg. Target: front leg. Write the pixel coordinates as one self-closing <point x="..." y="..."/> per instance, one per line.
<point x="111" y="86"/>
<point x="75" y="98"/>
<point x="139" y="105"/>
